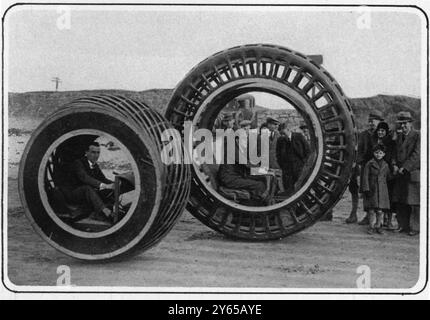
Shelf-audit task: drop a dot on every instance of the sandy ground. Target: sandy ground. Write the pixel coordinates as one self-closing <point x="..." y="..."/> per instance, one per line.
<point x="325" y="255"/>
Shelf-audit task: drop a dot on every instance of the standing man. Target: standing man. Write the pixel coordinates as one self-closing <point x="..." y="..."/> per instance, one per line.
<point x="272" y="125"/>
<point x="406" y="193"/>
<point x="292" y="151"/>
<point x="86" y="184"/>
<point x="365" y="146"/>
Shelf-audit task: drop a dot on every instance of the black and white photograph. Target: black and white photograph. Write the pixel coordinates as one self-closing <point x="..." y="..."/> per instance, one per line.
<point x="217" y="149"/>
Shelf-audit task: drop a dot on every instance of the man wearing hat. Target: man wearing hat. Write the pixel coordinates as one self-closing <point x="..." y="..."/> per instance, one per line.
<point x="227" y="121"/>
<point x="304" y="127"/>
<point x="292" y="151"/>
<point x="406" y="193"/>
<point x="272" y="125"/>
<point x="365" y="146"/>
<point x="236" y="175"/>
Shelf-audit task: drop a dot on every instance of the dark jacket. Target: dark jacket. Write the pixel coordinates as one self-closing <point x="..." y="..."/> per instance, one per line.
<point x="407" y="186"/>
<point x="273" y="141"/>
<point x="292" y="155"/>
<point x="390" y="147"/>
<point x="366" y="142"/>
<point x="80" y="174"/>
<point x="374" y="185"/>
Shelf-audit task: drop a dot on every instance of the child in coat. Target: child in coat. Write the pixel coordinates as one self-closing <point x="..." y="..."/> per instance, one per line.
<point x="375" y="189"/>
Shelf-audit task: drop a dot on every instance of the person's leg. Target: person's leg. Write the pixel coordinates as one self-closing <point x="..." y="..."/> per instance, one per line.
<point x="257" y="188"/>
<point x="414" y="222"/>
<point x="287" y="181"/>
<point x="379" y="221"/>
<point x="390" y="225"/>
<point x="403" y="216"/>
<point x="392" y="209"/>
<point x="87" y="195"/>
<point x="353" y="189"/>
<point x="372" y="221"/>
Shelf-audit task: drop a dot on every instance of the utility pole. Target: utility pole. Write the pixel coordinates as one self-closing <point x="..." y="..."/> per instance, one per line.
<point x="57" y="82"/>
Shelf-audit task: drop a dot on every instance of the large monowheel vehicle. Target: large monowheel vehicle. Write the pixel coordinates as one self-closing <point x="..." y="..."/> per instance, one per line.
<point x="159" y="192"/>
<point x="316" y="96"/>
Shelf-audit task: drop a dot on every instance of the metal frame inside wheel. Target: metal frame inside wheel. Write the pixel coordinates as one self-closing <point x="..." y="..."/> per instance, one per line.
<point x="164" y="188"/>
<point x="318" y="97"/>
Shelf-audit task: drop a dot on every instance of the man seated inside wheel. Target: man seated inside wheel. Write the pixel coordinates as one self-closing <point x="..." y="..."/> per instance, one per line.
<point x="237" y="176"/>
<point x="87" y="185"/>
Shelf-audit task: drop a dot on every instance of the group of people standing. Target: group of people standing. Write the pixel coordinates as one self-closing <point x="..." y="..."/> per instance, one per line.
<point x="388" y="166"/>
<point x="288" y="152"/>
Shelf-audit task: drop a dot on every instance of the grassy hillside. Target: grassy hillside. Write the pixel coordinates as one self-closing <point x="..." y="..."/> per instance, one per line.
<point x="42" y="103"/>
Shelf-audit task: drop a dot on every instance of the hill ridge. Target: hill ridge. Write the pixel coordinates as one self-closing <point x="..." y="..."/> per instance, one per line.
<point x="39" y="104"/>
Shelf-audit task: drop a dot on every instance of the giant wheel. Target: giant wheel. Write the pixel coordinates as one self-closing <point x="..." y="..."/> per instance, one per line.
<point x="315" y="94"/>
<point x="161" y="190"/>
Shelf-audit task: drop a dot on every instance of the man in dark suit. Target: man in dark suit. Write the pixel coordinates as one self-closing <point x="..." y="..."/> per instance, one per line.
<point x="365" y="146"/>
<point x="86" y="183"/>
<point x="406" y="193"/>
<point x="272" y="125"/>
<point x="235" y="175"/>
<point x="292" y="151"/>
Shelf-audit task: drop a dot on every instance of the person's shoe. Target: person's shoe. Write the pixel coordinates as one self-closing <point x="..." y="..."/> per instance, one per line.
<point x="400" y="230"/>
<point x="351" y="219"/>
<point x="109" y="215"/>
<point x="364" y="222"/>
<point x="101" y="217"/>
<point x="379" y="231"/>
<point x="328" y="216"/>
<point x="371" y="231"/>
<point x="413" y="233"/>
<point x="390" y="226"/>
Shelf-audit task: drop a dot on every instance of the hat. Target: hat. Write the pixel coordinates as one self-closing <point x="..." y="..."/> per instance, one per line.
<point x="244" y="123"/>
<point x="271" y="120"/>
<point x="375" y="114"/>
<point x="383" y="125"/>
<point x="404" y="116"/>
<point x="227" y="117"/>
<point x="303" y="125"/>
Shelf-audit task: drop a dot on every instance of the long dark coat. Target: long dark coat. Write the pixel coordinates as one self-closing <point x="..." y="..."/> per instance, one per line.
<point x="407" y="186"/>
<point x="375" y="177"/>
<point x="291" y="155"/>
<point x="273" y="141"/>
<point x="366" y="141"/>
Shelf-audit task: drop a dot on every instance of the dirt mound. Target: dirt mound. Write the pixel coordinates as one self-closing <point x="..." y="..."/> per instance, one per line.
<point x="42" y="103"/>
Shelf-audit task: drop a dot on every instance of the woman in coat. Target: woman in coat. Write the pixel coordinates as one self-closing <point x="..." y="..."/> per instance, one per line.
<point x="382" y="136"/>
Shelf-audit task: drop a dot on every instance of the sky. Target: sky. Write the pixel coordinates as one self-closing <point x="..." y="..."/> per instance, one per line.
<point x="140" y="48"/>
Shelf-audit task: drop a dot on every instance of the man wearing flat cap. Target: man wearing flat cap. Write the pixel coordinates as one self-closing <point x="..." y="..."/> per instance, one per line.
<point x="272" y="125"/>
<point x="406" y="193"/>
<point x="365" y="146"/>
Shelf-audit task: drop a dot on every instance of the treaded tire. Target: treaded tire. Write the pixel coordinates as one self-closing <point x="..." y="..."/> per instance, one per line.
<point x="164" y="189"/>
<point x="317" y="96"/>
